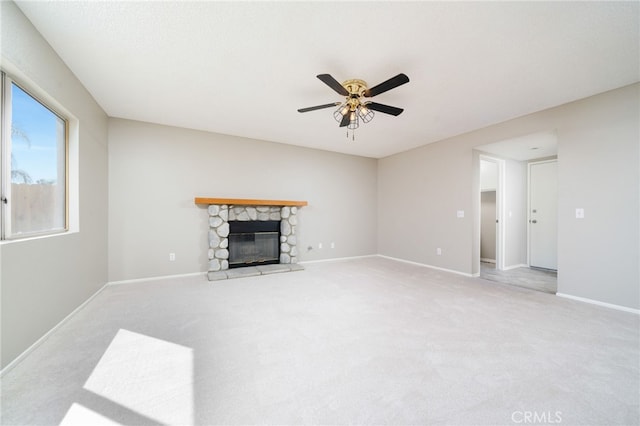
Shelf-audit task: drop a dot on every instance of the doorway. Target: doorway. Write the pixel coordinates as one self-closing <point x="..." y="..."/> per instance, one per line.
<point x="540" y="272"/>
<point x="513" y="212"/>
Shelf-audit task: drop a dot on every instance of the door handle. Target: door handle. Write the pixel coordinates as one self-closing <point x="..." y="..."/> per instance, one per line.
<point x="534" y="221"/>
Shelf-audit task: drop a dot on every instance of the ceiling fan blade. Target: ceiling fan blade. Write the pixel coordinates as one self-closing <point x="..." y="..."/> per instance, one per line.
<point x="333" y="83"/>
<point x="346" y="119"/>
<point x="313" y="108"/>
<point x="384" y="108"/>
<point x="392" y="83"/>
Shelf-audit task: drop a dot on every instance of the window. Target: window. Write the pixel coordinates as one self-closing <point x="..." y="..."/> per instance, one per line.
<point x="34" y="165"/>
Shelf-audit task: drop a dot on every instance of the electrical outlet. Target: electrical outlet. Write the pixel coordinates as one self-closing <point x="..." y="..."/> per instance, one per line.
<point x="460" y="213"/>
<point x="579" y="213"/>
<point x="319" y="245"/>
<point x="172" y="257"/>
<point x="333" y="245"/>
<point x="439" y="251"/>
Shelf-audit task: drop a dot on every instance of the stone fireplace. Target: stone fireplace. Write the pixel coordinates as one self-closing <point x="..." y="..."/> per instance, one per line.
<point x="251" y="233"/>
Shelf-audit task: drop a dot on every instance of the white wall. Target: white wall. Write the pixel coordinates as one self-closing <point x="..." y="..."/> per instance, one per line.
<point x="419" y="194"/>
<point x="515" y="213"/>
<point x="155" y="172"/>
<point x="45" y="279"/>
<point x="488" y="175"/>
<point x="598" y="170"/>
<point x="420" y="191"/>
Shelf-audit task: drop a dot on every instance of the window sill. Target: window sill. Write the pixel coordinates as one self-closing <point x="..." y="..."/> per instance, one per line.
<point x="36" y="237"/>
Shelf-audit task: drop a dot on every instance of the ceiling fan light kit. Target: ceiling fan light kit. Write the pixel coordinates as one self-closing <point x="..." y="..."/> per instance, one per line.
<point x="355" y="108"/>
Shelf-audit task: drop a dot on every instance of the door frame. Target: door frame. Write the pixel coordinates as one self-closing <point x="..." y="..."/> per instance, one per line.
<point x="500" y="204"/>
<point x="529" y="164"/>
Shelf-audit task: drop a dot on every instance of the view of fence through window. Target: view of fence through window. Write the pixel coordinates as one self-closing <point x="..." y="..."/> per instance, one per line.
<point x="37" y="198"/>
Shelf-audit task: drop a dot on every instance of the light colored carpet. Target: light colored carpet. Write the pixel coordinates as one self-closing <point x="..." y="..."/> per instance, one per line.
<point x="367" y="341"/>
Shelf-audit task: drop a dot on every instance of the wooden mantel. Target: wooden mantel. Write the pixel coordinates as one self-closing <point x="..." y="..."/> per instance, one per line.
<point x="246" y="202"/>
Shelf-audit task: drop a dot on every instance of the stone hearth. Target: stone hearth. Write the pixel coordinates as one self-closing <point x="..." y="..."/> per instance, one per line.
<point x="252" y="271"/>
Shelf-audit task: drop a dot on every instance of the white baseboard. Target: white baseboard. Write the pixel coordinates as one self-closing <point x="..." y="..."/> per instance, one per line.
<point x="38" y="342"/>
<point x="510" y="267"/>
<point x="596" y="302"/>
<point x="430" y="266"/>
<point x="337" y="259"/>
<point x="162" y="277"/>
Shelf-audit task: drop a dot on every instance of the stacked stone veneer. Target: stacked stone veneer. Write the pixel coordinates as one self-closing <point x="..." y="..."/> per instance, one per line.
<point x="220" y="215"/>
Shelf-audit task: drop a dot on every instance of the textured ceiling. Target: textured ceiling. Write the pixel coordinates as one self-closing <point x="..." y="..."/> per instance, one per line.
<point x="244" y="68"/>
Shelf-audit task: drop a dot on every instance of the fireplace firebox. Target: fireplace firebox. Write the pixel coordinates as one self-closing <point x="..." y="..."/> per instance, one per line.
<point x="254" y="243"/>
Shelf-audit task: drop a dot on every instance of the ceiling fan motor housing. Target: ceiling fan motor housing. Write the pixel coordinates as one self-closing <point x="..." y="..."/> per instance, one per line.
<point x="356" y="89"/>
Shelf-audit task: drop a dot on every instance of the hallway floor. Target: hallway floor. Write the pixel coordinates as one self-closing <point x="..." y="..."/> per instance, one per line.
<point x="545" y="280"/>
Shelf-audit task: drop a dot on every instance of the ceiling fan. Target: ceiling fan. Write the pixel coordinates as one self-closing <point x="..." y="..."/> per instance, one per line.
<point x="355" y="107"/>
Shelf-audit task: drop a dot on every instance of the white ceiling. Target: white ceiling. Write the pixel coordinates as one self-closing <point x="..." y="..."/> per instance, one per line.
<point x="525" y="148"/>
<point x="244" y="68"/>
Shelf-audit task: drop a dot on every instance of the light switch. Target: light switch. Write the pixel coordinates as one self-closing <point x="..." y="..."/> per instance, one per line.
<point x="460" y="213"/>
<point x="579" y="213"/>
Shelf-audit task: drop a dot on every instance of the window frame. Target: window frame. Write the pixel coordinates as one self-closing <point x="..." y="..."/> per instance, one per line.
<point x="6" y="81"/>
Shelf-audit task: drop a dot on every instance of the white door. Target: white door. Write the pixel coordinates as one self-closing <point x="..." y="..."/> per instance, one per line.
<point x="543" y="214"/>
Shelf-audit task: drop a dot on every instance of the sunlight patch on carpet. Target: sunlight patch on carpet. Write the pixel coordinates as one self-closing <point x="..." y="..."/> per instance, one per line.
<point x="149" y="376"/>
<point x="80" y="415"/>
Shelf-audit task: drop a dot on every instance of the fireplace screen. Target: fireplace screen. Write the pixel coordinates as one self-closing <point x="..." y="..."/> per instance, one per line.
<point x="254" y="243"/>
